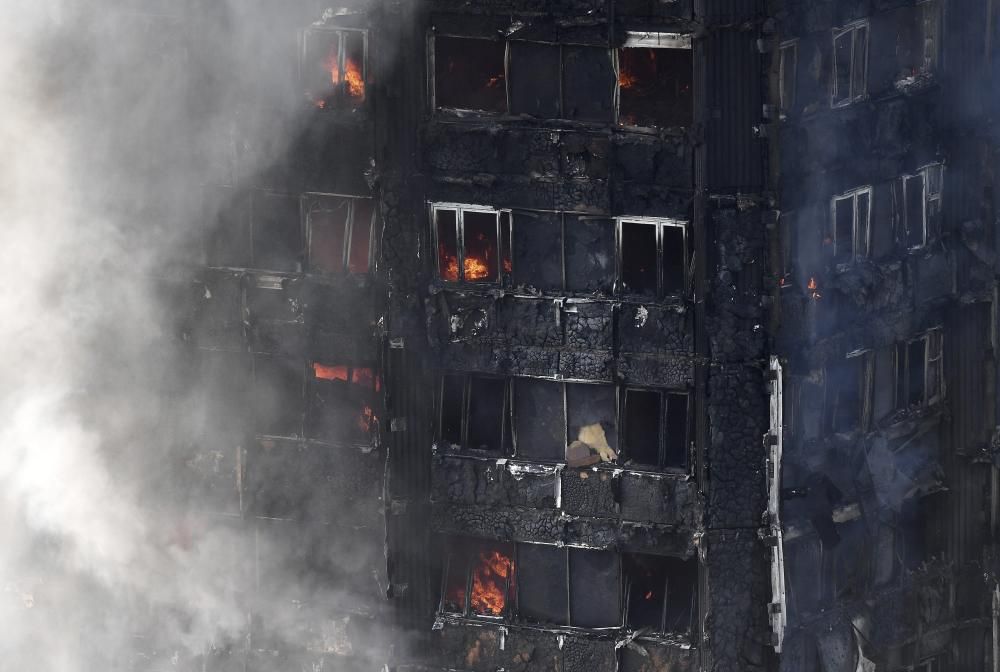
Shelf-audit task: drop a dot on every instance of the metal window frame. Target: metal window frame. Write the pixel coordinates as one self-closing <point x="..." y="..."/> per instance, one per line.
<point x="624" y="455"/>
<point x="460" y="209"/>
<point x="860" y="240"/>
<point x="660" y="223"/>
<point x="852" y="95"/>
<point x="644" y="40"/>
<point x="466" y="379"/>
<point x="466" y="544"/>
<point x="903" y="368"/>
<point x="431" y="60"/>
<point x="341" y="51"/>
<point x="307" y="205"/>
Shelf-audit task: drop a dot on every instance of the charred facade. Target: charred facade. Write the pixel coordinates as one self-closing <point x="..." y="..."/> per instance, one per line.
<point x="610" y="334"/>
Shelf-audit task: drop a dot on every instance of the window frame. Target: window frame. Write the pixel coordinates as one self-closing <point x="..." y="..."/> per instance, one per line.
<point x="460" y="209"/>
<point x="852" y="96"/>
<point x="933" y="340"/>
<point x="341" y="56"/>
<point x="930" y="11"/>
<point x="664" y="609"/>
<point x="787" y="88"/>
<point x="647" y="40"/>
<point x="929" y="197"/>
<point x="661" y="223"/>
<point x="461" y="546"/>
<point x="624" y="456"/>
<point x="506" y="442"/>
<point x="309" y="203"/>
<point x="866" y="364"/>
<point x="860" y="240"/>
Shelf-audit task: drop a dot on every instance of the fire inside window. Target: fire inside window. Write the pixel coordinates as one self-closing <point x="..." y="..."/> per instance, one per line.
<point x="851" y="214"/>
<point x="653" y="254"/>
<point x="655" y="80"/>
<point x="575" y="587"/>
<point x="342" y="403"/>
<point x="919" y="370"/>
<point x="339" y="231"/>
<point x="470" y="74"/>
<point x="473" y="243"/>
<point x="921" y="205"/>
<point x="334" y="67"/>
<point x="850" y="64"/>
<point x="478" y="578"/>
<point x="660" y="593"/>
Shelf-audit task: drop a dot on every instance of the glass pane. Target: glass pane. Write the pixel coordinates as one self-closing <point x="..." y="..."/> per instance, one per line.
<point x="354" y="68"/>
<point x="486" y="406"/>
<point x="321" y="70"/>
<point x="859" y="66"/>
<point x="447" y="238"/>
<point x="914" y="189"/>
<point x="327" y="226"/>
<point x="682" y="587"/>
<point x="655" y="87"/>
<point x="481" y="251"/>
<point x="639" y="258"/>
<point x="674" y="255"/>
<point x="534" y="82"/>
<point x="588" y="84"/>
<point x="863" y="205"/>
<point x="538" y="250"/>
<point x="595" y="584"/>
<point x="842" y="67"/>
<point x="642" y="427"/>
<point x="540" y="420"/>
<point x="677" y="430"/>
<point x="843" y="234"/>
<point x="541" y="590"/>
<point x="451" y="409"/>
<point x="361" y="235"/>
<point x="469" y="74"/>
<point x="590" y="254"/>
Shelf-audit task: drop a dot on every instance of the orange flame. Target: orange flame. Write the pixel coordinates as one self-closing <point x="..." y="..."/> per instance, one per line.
<point x="813" y="288"/>
<point x="327" y="372"/>
<point x="649" y="595"/>
<point x="625" y="79"/>
<point x="366" y="419"/>
<point x="474" y="268"/>
<point x="353" y="76"/>
<point x="489" y="583"/>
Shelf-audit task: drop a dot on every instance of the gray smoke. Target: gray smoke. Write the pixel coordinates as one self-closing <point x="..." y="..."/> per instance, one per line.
<point x="113" y="119"/>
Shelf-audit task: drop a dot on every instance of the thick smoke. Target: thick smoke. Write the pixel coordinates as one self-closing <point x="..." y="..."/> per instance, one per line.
<point x="114" y="118"/>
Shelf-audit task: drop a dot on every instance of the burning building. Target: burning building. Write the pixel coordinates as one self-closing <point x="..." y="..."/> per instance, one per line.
<point x="617" y="334"/>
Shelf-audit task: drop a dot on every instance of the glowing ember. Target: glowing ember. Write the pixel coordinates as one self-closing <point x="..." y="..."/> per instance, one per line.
<point x="489" y="583"/>
<point x="649" y="595"/>
<point x="366" y="419"/>
<point x="493" y="82"/>
<point x="813" y="288"/>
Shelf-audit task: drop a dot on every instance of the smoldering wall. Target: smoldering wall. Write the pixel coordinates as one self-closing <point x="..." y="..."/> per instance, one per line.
<point x="116" y="116"/>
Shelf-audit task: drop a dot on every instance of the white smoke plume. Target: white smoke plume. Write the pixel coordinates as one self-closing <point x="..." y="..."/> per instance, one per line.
<point x="110" y="124"/>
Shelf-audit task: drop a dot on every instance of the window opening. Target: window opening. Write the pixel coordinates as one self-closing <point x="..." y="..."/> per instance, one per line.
<point x="470" y="74"/>
<point x="656" y="426"/>
<point x="333" y="68"/>
<point x="660" y="593"/>
<point x="655" y="80"/>
<point x="342" y="401"/>
<point x="851" y="215"/>
<point x="339" y="231"/>
<point x="474" y="412"/>
<point x="478" y="577"/>
<point x="788" y="54"/>
<point x="850" y="53"/>
<point x="919" y="365"/>
<point x="847" y="397"/>
<point x="653" y="257"/>
<point x="468" y="242"/>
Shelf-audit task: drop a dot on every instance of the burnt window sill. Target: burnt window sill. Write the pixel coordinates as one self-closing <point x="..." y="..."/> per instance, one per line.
<point x="680" y="640"/>
<point x="446" y="115"/>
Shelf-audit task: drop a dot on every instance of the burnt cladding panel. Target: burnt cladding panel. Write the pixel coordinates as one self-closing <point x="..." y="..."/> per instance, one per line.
<point x="733" y="107"/>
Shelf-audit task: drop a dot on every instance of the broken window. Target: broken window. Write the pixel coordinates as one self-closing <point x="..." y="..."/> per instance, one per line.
<point x="660" y="593"/>
<point x="653" y="256"/>
<point x="277" y="239"/>
<point x="470" y="74"/>
<point x="474" y="412"/>
<point x="656" y="428"/>
<point x="655" y="77"/>
<point x="569" y="586"/>
<point x="850" y="63"/>
<point x="590" y="254"/>
<point x="535" y="71"/>
<point x="478" y="577"/>
<point x="339" y="232"/>
<point x="920" y="210"/>
<point x="851" y="215"/>
<point x="788" y="54"/>
<point x="540" y="419"/>
<point x="334" y="67"/>
<point x="593" y="432"/>
<point x="919" y="370"/>
<point x="342" y="402"/>
<point x="848" y="399"/>
<point x="468" y="243"/>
